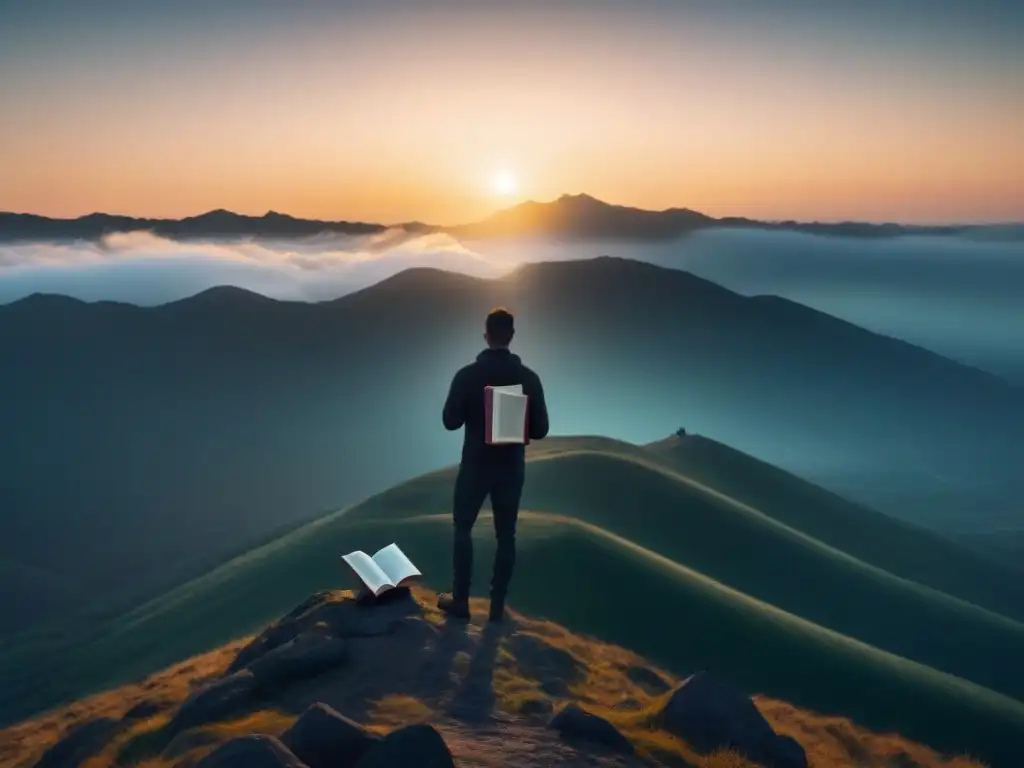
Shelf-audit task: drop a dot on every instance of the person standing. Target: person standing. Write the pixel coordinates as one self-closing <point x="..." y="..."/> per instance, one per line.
<point x="486" y="470"/>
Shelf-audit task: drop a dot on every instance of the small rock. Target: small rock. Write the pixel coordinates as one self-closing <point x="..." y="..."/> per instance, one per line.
<point x="574" y="724"/>
<point x="414" y="746"/>
<point x="81" y="742"/>
<point x="255" y="751"/>
<point x="304" y="656"/>
<point x="213" y="701"/>
<point x="647" y="679"/>
<point x="710" y="714"/>
<point x="538" y="706"/>
<point x="323" y="738"/>
<point x="145" y="709"/>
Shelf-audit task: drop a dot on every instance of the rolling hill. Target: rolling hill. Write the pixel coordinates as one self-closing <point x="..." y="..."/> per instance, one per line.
<point x="788" y="600"/>
<point x="140" y="437"/>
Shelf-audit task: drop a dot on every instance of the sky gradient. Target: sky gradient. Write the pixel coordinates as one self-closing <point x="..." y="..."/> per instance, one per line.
<point x="897" y="110"/>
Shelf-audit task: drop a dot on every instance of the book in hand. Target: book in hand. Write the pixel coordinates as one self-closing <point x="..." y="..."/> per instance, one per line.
<point x="505" y="411"/>
<point x="387" y="569"/>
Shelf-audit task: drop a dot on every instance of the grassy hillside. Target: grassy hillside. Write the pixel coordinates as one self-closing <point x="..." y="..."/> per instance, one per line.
<point x="796" y="599"/>
<point x="896" y="546"/>
<point x="140" y="437"/>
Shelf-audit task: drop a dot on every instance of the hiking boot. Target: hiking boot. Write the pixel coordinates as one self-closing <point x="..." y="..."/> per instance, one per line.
<point x="454" y="606"/>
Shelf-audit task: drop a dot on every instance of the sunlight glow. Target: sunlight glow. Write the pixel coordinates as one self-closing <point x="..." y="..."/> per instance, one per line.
<point x="503" y="183"/>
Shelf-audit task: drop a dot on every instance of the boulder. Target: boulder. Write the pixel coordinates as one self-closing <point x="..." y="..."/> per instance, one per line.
<point x="709" y="714"/>
<point x="322" y="614"/>
<point x="256" y="751"/>
<point x="213" y="701"/>
<point x="323" y="738"/>
<point x="414" y="746"/>
<point x="303" y="656"/>
<point x="575" y="725"/>
<point x="81" y="742"/>
<point x="536" y="707"/>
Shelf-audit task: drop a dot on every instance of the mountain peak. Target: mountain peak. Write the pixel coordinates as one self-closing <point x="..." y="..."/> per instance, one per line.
<point x="223" y="295"/>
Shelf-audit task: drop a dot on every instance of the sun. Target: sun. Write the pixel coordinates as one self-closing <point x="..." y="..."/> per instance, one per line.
<point x="504" y="183"/>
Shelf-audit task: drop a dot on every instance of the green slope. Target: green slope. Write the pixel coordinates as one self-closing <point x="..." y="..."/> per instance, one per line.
<point x="756" y="554"/>
<point x="699" y="558"/>
<point x="900" y="547"/>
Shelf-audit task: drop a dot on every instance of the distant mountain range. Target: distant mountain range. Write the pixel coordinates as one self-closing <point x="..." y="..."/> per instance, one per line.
<point x="570" y="217"/>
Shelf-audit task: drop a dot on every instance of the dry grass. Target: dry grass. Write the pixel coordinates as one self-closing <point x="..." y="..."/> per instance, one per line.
<point x="395" y="711"/>
<point x="594" y="674"/>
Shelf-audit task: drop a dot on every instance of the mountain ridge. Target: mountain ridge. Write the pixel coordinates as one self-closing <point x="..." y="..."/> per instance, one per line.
<point x="225" y="296"/>
<point x="568" y="216"/>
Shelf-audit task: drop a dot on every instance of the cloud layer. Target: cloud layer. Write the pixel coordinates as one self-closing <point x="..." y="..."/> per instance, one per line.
<point x="142" y="268"/>
<point x="957" y="296"/>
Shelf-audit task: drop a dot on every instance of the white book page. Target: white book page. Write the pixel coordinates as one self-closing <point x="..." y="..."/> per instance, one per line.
<point x="515" y="389"/>
<point x="509" y="417"/>
<point x="371" y="574"/>
<point x="396" y="565"/>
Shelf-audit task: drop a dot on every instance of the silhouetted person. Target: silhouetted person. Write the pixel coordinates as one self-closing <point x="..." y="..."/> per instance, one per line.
<point x="489" y="470"/>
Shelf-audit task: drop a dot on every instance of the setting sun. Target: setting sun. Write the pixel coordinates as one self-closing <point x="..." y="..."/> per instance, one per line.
<point x="503" y="183"/>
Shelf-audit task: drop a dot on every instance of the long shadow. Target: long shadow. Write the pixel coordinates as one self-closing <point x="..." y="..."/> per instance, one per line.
<point x="474" y="700"/>
<point x="434" y="675"/>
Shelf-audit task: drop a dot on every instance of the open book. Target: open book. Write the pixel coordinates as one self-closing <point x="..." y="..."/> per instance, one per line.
<point x="387" y="569"/>
<point x="505" y="415"/>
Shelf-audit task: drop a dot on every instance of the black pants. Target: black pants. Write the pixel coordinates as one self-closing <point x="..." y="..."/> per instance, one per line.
<point x="504" y="484"/>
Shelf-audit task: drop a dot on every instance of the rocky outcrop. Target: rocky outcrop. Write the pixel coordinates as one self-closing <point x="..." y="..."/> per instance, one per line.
<point x="329" y="664"/>
<point x="329" y="619"/>
<point x="255" y="751"/>
<point x="322" y="738"/>
<point x="80" y="743"/>
<point x="309" y="640"/>
<point x="710" y="714"/>
<point x="575" y="724"/>
<point x="213" y="701"/>
<point x="302" y="656"/>
<point x="414" y="746"/>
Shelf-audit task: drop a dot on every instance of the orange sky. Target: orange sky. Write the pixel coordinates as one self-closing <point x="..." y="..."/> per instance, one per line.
<point x="400" y="117"/>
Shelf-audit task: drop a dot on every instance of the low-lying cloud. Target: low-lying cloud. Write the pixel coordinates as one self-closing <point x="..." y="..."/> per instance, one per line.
<point x="143" y="268"/>
<point x="960" y="297"/>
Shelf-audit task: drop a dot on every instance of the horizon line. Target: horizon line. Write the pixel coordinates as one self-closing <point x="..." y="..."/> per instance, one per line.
<point x="554" y="201"/>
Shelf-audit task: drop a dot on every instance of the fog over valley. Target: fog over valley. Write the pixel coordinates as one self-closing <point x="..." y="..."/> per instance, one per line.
<point x="955" y="295"/>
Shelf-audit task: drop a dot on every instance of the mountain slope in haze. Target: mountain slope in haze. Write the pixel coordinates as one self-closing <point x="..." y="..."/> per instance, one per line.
<point x="490" y="692"/>
<point x="177" y="433"/>
<point x="578" y="217"/>
<point x="616" y="543"/>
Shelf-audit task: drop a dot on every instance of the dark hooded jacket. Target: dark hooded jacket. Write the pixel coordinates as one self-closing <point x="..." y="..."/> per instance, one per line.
<point x="465" y="405"/>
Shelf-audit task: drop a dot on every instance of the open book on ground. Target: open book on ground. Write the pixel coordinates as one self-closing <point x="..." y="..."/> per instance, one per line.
<point x="385" y="570"/>
<point x="505" y="415"/>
